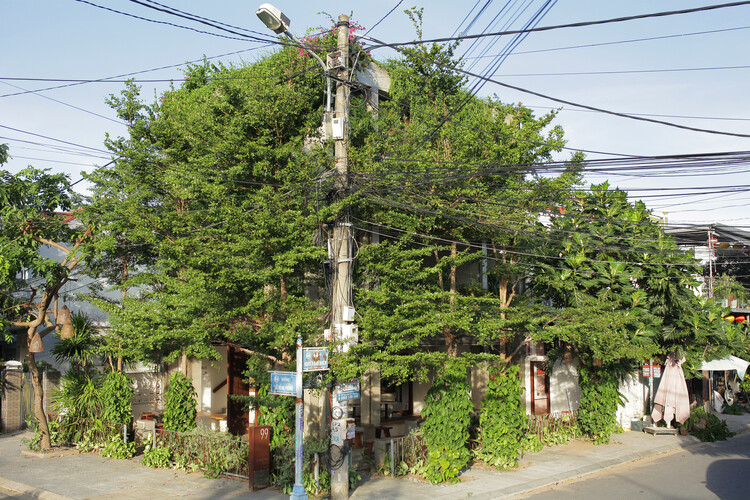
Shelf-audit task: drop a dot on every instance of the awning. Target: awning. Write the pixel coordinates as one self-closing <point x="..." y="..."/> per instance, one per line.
<point x="728" y="363"/>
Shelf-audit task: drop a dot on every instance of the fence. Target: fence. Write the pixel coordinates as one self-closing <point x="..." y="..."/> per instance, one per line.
<point x="204" y="449"/>
<point x="199" y="449"/>
<point x="409" y="450"/>
<point x="542" y="425"/>
<point x="84" y="431"/>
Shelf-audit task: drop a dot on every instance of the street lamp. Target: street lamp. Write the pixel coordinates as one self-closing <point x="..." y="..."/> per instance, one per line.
<point x="276" y="21"/>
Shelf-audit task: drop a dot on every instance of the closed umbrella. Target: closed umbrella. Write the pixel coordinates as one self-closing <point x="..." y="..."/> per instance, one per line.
<point x="672" y="399"/>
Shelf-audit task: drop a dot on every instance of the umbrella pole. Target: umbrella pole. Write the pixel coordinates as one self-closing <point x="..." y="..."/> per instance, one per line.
<point x="651" y="388"/>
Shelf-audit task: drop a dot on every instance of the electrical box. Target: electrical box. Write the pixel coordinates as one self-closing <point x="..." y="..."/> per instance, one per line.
<point x="348" y="314"/>
<point x="335" y="60"/>
<point x="337" y="128"/>
<point x="349" y="336"/>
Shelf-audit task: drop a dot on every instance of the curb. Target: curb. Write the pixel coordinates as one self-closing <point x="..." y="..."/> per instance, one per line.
<point x="25" y="489"/>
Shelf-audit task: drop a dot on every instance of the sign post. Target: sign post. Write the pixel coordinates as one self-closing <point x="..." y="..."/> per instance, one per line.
<point x="309" y="359"/>
<point x="298" y="493"/>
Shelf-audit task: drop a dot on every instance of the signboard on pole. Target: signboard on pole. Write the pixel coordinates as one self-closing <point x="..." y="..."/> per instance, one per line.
<point x="314" y="359"/>
<point x="346" y="391"/>
<point x="651" y="370"/>
<point x="283" y="383"/>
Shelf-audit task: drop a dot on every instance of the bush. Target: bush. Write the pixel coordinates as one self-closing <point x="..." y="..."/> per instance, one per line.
<point x="597" y="413"/>
<point x="706" y="426"/>
<point x="157" y="457"/>
<point x="116" y="394"/>
<point x="117" y="448"/>
<point x="502" y="420"/>
<point x="179" y="407"/>
<point x="447" y="412"/>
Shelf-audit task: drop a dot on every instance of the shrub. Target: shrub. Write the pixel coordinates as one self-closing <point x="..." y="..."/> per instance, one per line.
<point x="179" y="407"/>
<point x="116" y="394"/>
<point x="706" y="426"/>
<point x="117" y="448"/>
<point x="157" y="457"/>
<point x="597" y="414"/>
<point x="502" y="420"/>
<point x="447" y="412"/>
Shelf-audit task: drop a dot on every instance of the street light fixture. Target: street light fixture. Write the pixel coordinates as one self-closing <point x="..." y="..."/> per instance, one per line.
<point x="276" y="21"/>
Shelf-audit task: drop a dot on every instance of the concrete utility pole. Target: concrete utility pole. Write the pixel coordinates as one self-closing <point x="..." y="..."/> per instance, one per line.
<point x="342" y="234"/>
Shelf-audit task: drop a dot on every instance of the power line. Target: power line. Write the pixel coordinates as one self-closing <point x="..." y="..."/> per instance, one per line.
<point x="56" y="140"/>
<point x="241" y="37"/>
<point x="385" y="16"/>
<point x="570" y="25"/>
<point x="98" y="80"/>
<point x="584" y="106"/>
<point x="624" y="72"/>
<point x="618" y="42"/>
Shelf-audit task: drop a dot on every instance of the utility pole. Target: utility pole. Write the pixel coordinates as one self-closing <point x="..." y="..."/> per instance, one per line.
<point x="342" y="236"/>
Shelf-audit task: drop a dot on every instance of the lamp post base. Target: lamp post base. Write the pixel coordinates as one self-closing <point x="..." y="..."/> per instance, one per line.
<point x="298" y="493"/>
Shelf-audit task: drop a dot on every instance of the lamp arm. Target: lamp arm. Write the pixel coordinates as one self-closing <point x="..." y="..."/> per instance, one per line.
<point x="307" y="46"/>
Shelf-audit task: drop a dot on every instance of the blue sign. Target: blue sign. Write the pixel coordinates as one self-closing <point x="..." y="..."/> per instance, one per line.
<point x="314" y="359"/>
<point x="283" y="383"/>
<point x="347" y="390"/>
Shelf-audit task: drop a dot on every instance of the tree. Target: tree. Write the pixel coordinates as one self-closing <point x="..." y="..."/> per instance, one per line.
<point x="32" y="205"/>
<point x="621" y="291"/>
<point x="437" y="173"/>
<point x="209" y="214"/>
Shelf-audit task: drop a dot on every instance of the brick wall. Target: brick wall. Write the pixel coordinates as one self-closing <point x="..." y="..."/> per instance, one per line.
<point x="11" y="412"/>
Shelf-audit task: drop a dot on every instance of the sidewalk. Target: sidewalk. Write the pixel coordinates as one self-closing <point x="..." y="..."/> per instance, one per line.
<point x="93" y="477"/>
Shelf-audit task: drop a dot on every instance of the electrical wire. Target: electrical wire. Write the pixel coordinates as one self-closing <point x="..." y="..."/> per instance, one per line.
<point x="240" y="37"/>
<point x="569" y="25"/>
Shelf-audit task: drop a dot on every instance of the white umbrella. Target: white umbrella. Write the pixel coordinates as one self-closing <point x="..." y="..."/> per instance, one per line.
<point x="672" y="399"/>
<point x="728" y="363"/>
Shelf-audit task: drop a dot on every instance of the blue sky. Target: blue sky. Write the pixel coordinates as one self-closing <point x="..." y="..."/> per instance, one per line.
<point x="68" y="39"/>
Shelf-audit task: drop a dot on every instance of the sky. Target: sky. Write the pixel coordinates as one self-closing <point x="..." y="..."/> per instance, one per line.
<point x="689" y="69"/>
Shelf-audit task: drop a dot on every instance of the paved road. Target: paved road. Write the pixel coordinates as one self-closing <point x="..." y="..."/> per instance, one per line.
<point x="708" y="471"/>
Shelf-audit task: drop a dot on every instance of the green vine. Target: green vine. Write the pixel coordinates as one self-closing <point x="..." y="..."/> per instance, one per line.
<point x="179" y="407"/>
<point x="157" y="457"/>
<point x="117" y="448"/>
<point x="447" y="412"/>
<point x="116" y="394"/>
<point x="502" y="420"/>
<point x="597" y="414"/>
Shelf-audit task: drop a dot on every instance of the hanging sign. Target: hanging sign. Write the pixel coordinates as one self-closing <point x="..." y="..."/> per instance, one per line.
<point x="314" y="359"/>
<point x="283" y="383"/>
<point x="346" y="391"/>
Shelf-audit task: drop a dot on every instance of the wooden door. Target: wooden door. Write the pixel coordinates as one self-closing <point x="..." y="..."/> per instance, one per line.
<point x="238" y="418"/>
<point x="539" y="389"/>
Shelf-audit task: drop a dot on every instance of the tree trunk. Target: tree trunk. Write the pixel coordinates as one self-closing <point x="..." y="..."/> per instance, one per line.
<point x="36" y="382"/>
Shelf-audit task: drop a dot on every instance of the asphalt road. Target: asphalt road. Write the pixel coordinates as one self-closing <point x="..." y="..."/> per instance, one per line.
<point x="707" y="471"/>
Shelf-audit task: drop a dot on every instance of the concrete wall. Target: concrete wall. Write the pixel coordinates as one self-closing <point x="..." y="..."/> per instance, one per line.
<point x="635" y="390"/>
<point x="565" y="394"/>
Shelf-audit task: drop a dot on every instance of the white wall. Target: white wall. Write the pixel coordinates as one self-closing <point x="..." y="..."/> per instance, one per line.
<point x="635" y="390"/>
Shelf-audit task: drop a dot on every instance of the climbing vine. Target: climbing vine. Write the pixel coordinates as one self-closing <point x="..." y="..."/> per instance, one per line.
<point x="116" y="395"/>
<point x="502" y="420"/>
<point x="179" y="408"/>
<point x="597" y="414"/>
<point x="447" y="412"/>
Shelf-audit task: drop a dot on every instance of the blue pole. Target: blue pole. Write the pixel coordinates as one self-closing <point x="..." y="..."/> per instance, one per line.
<point x="298" y="493"/>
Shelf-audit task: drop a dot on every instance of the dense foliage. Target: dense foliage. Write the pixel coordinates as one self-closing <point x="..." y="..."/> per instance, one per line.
<point x="597" y="412"/>
<point x="116" y="395"/>
<point x="179" y="404"/>
<point x="447" y="414"/>
<point x="502" y="419"/>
